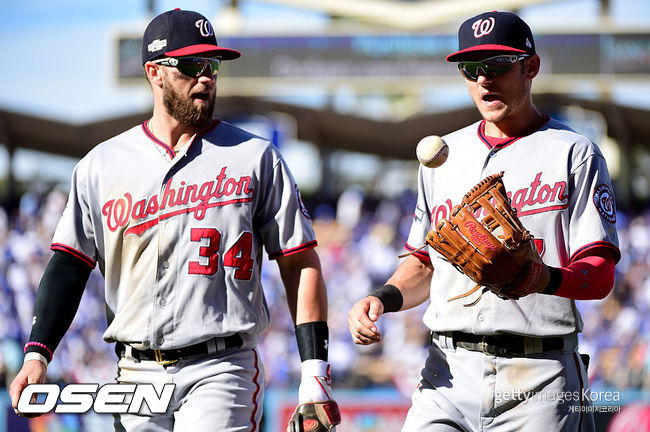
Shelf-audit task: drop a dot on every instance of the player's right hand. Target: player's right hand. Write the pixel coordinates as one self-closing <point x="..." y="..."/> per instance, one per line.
<point x="32" y="372"/>
<point x="362" y="318"/>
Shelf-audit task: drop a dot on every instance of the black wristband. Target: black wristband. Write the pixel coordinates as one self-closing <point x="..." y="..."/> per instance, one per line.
<point x="313" y="340"/>
<point x="390" y="296"/>
<point x="555" y="281"/>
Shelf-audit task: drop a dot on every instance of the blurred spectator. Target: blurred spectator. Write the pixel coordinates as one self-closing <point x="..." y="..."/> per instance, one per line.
<point x="617" y="328"/>
<point x="632" y="418"/>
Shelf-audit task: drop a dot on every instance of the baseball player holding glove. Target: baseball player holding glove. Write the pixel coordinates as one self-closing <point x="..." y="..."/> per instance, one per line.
<point x="176" y="213"/>
<point x="518" y="224"/>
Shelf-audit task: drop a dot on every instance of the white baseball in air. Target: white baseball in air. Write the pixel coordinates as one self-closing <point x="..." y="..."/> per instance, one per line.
<point x="432" y="151"/>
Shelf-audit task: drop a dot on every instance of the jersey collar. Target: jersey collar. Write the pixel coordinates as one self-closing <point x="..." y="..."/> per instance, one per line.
<point x="499" y="143"/>
<point x="168" y="149"/>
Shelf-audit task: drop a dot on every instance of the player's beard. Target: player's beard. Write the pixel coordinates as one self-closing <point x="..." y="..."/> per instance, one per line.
<point x="183" y="109"/>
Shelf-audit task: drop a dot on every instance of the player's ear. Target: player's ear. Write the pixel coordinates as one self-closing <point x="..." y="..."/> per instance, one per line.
<point x="531" y="66"/>
<point x="153" y="73"/>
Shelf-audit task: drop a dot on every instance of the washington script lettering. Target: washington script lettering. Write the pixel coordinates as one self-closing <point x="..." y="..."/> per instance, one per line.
<point x="186" y="198"/>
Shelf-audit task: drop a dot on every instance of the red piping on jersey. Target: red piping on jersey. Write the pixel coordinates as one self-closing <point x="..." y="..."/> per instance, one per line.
<point x="582" y="384"/>
<point x="152" y="137"/>
<point x="543" y="210"/>
<point x="75" y="253"/>
<point x="419" y="254"/>
<point x="257" y="391"/>
<point x="486" y="139"/>
<point x="599" y="244"/>
<point x="140" y="228"/>
<point x="287" y="252"/>
<point x="208" y="128"/>
<point x="170" y="151"/>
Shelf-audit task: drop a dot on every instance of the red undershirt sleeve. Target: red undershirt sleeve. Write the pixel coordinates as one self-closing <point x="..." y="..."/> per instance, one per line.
<point x="589" y="278"/>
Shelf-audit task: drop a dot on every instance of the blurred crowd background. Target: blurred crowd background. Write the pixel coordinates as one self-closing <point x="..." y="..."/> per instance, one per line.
<point x="360" y="238"/>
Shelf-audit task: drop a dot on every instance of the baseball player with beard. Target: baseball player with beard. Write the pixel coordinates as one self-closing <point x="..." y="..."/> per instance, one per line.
<point x="508" y="363"/>
<point x="176" y="213"/>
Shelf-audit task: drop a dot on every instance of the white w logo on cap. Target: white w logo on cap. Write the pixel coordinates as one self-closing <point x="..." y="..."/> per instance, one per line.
<point x="483" y="27"/>
<point x="204" y="27"/>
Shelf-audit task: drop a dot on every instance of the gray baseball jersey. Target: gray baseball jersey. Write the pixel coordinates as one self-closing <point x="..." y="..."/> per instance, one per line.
<point x="179" y="237"/>
<point x="559" y="183"/>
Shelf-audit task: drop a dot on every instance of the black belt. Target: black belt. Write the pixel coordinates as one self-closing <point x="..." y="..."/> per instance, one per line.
<point x="167" y="357"/>
<point x="506" y="345"/>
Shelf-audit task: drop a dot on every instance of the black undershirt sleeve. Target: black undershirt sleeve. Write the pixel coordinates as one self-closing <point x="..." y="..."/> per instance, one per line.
<point x="57" y="300"/>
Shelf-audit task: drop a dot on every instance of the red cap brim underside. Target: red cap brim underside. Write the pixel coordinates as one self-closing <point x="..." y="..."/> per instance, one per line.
<point x="224" y="53"/>
<point x="488" y="47"/>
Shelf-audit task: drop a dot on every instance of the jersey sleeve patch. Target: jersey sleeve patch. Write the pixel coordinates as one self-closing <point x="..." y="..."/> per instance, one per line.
<point x="301" y="204"/>
<point x="604" y="202"/>
<point x="418" y="215"/>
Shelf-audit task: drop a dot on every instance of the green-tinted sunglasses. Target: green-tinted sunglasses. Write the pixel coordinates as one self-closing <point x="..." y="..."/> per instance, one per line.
<point x="192" y="66"/>
<point x="492" y="66"/>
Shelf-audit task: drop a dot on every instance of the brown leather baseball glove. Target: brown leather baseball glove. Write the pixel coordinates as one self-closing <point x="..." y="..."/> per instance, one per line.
<point x="485" y="240"/>
<point x="315" y="417"/>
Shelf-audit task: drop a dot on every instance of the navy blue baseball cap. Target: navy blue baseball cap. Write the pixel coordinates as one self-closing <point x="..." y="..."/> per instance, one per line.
<point x="493" y="31"/>
<point x="178" y="33"/>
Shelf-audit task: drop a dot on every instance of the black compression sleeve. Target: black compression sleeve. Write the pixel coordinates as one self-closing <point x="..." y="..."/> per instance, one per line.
<point x="312" y="340"/>
<point x="57" y="301"/>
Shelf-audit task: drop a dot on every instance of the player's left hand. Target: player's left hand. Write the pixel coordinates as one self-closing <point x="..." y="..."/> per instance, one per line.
<point x="316" y="411"/>
<point x="533" y="280"/>
<point x="32" y="372"/>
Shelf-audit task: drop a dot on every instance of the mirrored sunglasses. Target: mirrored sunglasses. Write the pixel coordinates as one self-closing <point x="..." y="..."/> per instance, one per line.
<point x="490" y="67"/>
<point x="192" y="66"/>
